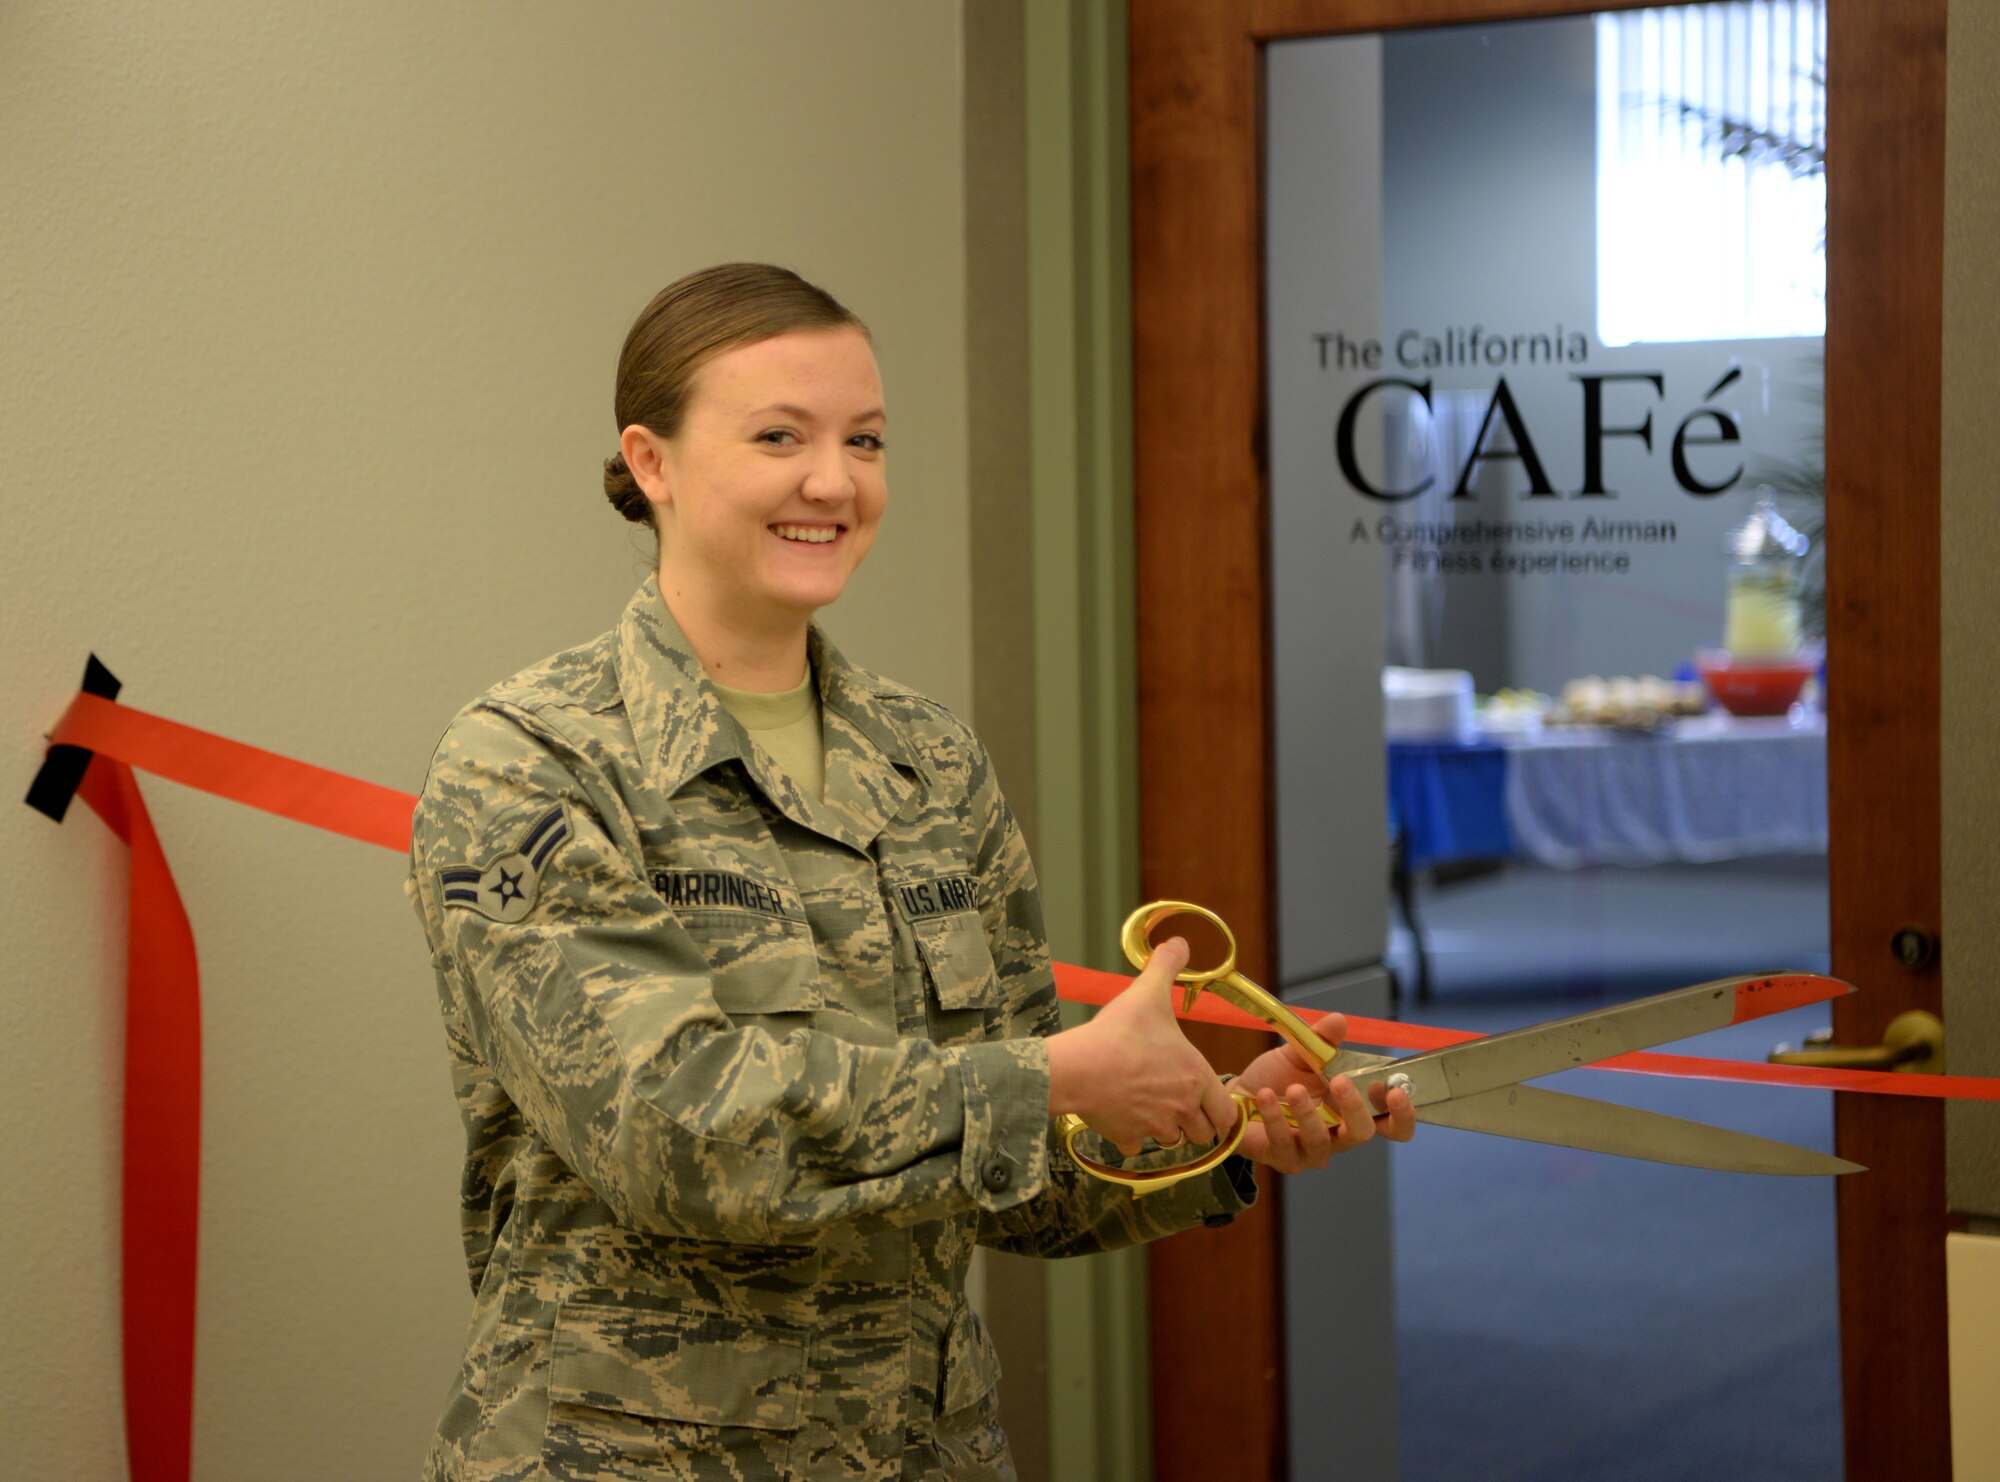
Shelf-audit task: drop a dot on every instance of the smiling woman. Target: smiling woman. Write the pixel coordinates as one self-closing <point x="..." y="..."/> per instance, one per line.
<point x="755" y="1035"/>
<point x="766" y="497"/>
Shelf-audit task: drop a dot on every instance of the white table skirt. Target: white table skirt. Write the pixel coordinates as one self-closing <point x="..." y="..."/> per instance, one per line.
<point x="1713" y="788"/>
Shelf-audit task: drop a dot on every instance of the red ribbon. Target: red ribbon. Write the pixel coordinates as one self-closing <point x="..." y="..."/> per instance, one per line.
<point x="162" y="1148"/>
<point x="161" y="1180"/>
<point x="244" y="774"/>
<point x="381" y="815"/>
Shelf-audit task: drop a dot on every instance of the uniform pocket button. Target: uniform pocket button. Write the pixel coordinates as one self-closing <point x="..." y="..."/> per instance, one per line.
<point x="996" y="1174"/>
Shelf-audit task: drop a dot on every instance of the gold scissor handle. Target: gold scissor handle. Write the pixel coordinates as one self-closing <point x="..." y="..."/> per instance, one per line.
<point x="1136" y="937"/>
<point x="1148" y="1180"/>
<point x="1069" y="1126"/>
<point x="1223" y="980"/>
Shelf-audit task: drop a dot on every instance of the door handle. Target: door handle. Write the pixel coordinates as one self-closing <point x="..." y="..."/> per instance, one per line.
<point x="1913" y="1042"/>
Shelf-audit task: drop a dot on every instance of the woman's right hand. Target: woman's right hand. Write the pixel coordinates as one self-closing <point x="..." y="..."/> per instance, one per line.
<point x="1130" y="1072"/>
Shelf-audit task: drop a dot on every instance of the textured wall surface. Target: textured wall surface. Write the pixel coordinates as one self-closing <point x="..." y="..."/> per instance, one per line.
<point x="1971" y="628"/>
<point x="1972" y="1265"/>
<point x="1971" y="719"/>
<point x="311" y="317"/>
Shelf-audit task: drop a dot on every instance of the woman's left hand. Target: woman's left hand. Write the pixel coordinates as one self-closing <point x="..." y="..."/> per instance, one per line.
<point x="1281" y="1078"/>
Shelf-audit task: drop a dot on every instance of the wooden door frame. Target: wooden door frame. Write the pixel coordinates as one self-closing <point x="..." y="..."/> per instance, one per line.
<point x="1884" y="453"/>
<point x="1204" y="652"/>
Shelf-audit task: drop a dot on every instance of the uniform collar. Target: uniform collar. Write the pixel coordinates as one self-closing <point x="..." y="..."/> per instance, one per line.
<point x="683" y="730"/>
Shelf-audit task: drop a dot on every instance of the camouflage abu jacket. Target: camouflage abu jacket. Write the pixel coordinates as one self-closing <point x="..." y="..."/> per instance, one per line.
<point x="744" y="1074"/>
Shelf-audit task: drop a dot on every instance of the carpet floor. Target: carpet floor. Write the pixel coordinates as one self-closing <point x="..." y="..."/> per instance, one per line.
<point x="1570" y="1317"/>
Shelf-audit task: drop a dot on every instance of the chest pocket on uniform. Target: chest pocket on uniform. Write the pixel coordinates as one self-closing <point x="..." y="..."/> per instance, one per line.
<point x="958" y="969"/>
<point x="957" y="962"/>
<point x="963" y="1000"/>
<point x="762" y="969"/>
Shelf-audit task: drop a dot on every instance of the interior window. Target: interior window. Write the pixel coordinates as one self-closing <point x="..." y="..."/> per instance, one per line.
<point x="1711" y="172"/>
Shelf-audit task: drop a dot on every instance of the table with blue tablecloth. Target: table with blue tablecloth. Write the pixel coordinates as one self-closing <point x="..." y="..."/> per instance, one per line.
<point x="1705" y="789"/>
<point x="1448" y="802"/>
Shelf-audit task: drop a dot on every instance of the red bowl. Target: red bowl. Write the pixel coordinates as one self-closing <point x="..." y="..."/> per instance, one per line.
<point x="1755" y="686"/>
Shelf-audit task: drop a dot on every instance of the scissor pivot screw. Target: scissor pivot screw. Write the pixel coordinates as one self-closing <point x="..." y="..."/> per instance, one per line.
<point x="1400" y="1082"/>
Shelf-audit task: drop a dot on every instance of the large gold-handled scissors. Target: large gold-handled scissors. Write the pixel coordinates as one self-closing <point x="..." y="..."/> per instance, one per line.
<point x="1477" y="1086"/>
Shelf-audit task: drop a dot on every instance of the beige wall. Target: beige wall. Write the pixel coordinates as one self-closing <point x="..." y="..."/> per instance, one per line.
<point x="1971" y="719"/>
<point x="1972" y="1267"/>
<point x="1971" y="601"/>
<point x="310" y="317"/>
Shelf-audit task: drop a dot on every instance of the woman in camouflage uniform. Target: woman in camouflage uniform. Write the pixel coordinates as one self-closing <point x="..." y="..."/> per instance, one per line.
<point x="751" y="1018"/>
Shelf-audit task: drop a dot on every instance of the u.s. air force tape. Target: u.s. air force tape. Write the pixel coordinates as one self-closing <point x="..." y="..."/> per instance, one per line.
<point x="505" y="890"/>
<point x="939" y="895"/>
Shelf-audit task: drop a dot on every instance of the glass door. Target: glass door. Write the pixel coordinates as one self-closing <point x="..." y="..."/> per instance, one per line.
<point x="1543" y="313"/>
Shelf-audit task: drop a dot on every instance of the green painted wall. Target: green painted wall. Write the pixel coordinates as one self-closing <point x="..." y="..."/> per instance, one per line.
<point x="1079" y="351"/>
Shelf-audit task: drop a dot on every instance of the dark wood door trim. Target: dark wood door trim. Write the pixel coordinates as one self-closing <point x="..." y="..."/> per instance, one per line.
<point x="1217" y="1363"/>
<point x="1884" y="356"/>
<point x="1206" y="819"/>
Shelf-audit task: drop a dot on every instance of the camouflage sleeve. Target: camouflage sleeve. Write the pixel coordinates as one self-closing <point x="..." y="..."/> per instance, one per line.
<point x="594" y="1009"/>
<point x="1074" y="1213"/>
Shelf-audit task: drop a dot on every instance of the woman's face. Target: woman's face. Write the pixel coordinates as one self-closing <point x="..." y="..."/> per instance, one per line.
<point x="771" y="491"/>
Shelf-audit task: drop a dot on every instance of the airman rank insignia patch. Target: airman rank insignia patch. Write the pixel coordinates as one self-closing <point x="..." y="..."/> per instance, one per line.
<point x="940" y="895"/>
<point x="505" y="890"/>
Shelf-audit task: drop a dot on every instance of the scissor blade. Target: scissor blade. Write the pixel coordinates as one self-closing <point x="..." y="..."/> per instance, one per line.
<point x="1535" y="1115"/>
<point x="1518" y="1055"/>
